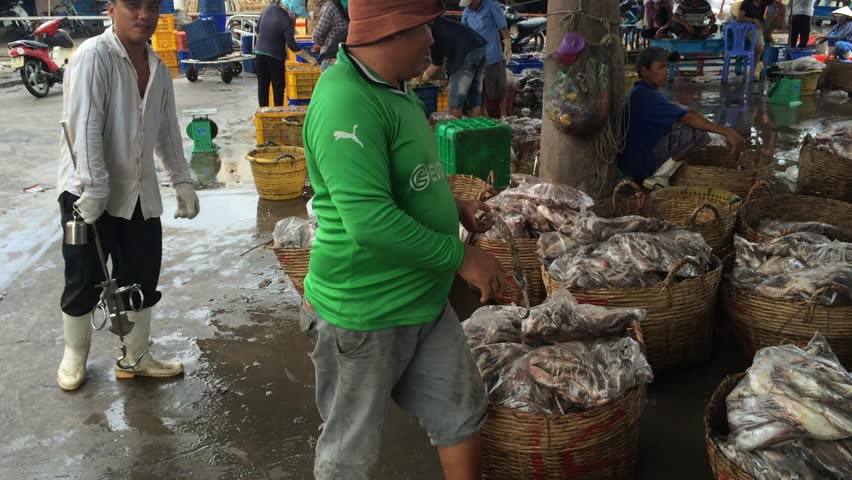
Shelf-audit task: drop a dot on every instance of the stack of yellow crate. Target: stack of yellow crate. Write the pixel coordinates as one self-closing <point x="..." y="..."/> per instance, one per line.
<point x="164" y="42"/>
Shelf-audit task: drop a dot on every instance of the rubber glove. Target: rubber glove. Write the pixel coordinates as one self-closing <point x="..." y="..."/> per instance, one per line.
<point x="507" y="49"/>
<point x="90" y="208"/>
<point x="187" y="201"/>
<point x="308" y="57"/>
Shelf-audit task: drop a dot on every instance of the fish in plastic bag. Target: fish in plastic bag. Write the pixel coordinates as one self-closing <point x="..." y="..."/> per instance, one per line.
<point x="294" y="232"/>
<point x="591" y="272"/>
<point x="592" y="229"/>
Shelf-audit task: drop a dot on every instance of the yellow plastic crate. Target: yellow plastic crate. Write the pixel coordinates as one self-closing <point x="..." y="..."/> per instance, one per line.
<point x="164" y="41"/>
<point x="443" y="100"/>
<point x="166" y="24"/>
<point x="175" y="72"/>
<point x="282" y="128"/>
<point x="301" y="79"/>
<point x="169" y="57"/>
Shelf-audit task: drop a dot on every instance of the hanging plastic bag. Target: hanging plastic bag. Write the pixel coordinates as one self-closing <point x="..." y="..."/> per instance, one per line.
<point x="576" y="99"/>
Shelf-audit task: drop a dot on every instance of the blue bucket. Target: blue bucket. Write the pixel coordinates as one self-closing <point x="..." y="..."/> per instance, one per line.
<point x="801" y="52"/>
<point x="246" y="43"/>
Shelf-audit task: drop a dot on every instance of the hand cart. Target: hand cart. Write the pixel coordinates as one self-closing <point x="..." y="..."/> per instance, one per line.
<point x="229" y="66"/>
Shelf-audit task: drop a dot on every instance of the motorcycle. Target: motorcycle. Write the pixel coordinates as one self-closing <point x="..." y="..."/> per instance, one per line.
<point x="80" y="28"/>
<point x="528" y="34"/>
<point x="23" y="27"/>
<point x="41" y="61"/>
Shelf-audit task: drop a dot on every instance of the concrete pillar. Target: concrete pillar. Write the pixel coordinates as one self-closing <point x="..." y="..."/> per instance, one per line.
<point x="563" y="158"/>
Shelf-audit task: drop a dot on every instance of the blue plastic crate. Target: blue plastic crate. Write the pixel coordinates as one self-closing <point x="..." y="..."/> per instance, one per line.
<point x="519" y="65"/>
<point x="221" y="21"/>
<point x="801" y="52"/>
<point x="211" y="47"/>
<point x="167" y="7"/>
<point x="776" y="53"/>
<point x="429" y="96"/>
<point x="212" y="7"/>
<point x="181" y="57"/>
<point x="199" y="30"/>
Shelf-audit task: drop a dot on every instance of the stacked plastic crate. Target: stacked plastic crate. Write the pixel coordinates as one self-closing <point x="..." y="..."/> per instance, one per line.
<point x="216" y="11"/>
<point x="205" y="42"/>
<point x="301" y="76"/>
<point x="476" y="146"/>
<point x="164" y="42"/>
<point x="183" y="50"/>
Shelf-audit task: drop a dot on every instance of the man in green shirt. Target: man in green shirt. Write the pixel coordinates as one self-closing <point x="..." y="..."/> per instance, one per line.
<point x="386" y="253"/>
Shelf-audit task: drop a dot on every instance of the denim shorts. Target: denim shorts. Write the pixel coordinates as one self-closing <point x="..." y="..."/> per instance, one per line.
<point x="466" y="83"/>
<point x="427" y="370"/>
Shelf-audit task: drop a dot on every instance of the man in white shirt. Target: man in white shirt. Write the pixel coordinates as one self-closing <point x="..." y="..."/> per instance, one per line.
<point x="119" y="105"/>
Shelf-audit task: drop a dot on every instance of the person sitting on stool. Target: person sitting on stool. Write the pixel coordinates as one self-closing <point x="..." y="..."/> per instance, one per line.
<point x="658" y="18"/>
<point x="660" y="133"/>
<point x="694" y="20"/>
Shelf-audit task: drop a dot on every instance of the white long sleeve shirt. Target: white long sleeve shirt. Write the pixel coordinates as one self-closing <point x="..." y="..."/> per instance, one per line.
<point x="115" y="132"/>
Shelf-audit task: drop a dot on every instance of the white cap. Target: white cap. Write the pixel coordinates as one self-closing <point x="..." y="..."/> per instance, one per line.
<point x="464" y="3"/>
<point x="845" y="11"/>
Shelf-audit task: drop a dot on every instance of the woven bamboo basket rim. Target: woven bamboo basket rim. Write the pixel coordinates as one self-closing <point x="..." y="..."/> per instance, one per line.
<point x="791" y="207"/>
<point x="274" y="154"/>
<point x="527" y="251"/>
<point x="823" y="173"/>
<point x="716" y="422"/>
<point x="718" y="159"/>
<point x="469" y="187"/>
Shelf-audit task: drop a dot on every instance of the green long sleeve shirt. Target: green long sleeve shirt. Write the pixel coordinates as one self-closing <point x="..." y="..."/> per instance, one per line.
<point x="387" y="246"/>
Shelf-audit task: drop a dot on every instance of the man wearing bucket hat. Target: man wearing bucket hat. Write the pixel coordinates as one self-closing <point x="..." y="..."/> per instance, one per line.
<point x="489" y="21"/>
<point x="119" y="106"/>
<point x="660" y="134"/>
<point x="386" y="253"/>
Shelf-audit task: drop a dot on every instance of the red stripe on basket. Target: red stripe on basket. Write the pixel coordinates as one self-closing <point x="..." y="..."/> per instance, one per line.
<point x="603" y="426"/>
<point x="572" y="470"/>
<point x="535" y="458"/>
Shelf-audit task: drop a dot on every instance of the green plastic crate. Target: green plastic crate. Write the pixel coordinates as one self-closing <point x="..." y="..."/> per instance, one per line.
<point x="476" y="146"/>
<point x="786" y="91"/>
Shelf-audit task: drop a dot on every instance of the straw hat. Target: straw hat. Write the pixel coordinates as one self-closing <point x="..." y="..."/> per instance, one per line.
<point x="845" y="12"/>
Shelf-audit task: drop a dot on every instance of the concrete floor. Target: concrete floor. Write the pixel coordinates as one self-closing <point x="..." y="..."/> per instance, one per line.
<point x="245" y="407"/>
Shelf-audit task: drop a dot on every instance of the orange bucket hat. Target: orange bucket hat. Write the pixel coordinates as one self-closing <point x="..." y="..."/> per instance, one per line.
<point x="374" y="20"/>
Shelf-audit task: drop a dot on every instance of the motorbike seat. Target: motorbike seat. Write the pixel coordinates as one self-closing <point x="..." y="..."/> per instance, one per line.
<point x="28" y="43"/>
<point x="531" y="25"/>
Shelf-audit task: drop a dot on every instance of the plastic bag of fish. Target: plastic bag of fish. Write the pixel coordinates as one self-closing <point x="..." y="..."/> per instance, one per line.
<point x="294" y="232"/>
<point x="778" y="228"/>
<point x="791" y="393"/>
<point x="837" y="141"/>
<point x="564" y="356"/>
<point x="800" y="266"/>
<point x="632" y="260"/>
<point x="799" y="460"/>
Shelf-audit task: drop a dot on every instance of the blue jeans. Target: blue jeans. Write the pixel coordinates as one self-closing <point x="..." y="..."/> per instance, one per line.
<point x="466" y="83"/>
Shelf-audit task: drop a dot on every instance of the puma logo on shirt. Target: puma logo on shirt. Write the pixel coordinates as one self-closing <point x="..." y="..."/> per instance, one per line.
<point x="338" y="135"/>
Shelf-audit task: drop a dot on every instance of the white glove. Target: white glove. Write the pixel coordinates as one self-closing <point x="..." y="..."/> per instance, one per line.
<point x="187" y="201"/>
<point x="507" y="49"/>
<point x="90" y="208"/>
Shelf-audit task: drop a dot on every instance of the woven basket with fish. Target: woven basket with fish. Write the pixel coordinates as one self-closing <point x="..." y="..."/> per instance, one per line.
<point x="839" y="75"/>
<point x="468" y="187"/>
<point x="716" y="425"/>
<point x="516" y="255"/>
<point x="678" y="328"/>
<point x="792" y="208"/>
<point x="759" y="321"/>
<point x="714" y="166"/>
<point x="712" y="212"/>
<point x="600" y="443"/>
<point x="823" y="172"/>
<point x="294" y="262"/>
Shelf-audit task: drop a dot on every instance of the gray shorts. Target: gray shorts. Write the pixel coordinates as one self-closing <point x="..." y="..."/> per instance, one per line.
<point x="495" y="85"/>
<point x="427" y="370"/>
<point x="680" y="142"/>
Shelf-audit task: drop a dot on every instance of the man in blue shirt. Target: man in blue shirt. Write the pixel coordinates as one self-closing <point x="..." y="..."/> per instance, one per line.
<point x="661" y="133"/>
<point x="489" y="21"/>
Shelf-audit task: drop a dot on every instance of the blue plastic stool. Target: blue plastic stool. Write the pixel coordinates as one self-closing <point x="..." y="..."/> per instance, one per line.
<point x="739" y="44"/>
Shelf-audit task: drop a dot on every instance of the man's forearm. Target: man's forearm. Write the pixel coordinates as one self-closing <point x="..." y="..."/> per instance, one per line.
<point x="696" y="120"/>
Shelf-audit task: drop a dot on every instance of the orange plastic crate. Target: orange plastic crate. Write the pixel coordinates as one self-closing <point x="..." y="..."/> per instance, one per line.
<point x="443" y="100"/>
<point x="301" y="80"/>
<point x="166" y="24"/>
<point x="164" y="41"/>
<point x="169" y="57"/>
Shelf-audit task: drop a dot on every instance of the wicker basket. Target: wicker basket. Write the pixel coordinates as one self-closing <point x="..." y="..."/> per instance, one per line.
<point x="279" y="172"/>
<point x="599" y="443"/>
<point x="678" y="327"/>
<point x="294" y="262"/>
<point x="759" y="321"/>
<point x="716" y="423"/>
<point x="530" y="264"/>
<point x="792" y="208"/>
<point x="823" y="173"/>
<point x="468" y="187"/>
<point x="715" y="167"/>
<point x="839" y="75"/>
<point x="712" y="212"/>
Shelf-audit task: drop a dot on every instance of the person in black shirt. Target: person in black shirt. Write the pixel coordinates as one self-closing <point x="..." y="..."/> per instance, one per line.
<point x="754" y="11"/>
<point x="462" y="51"/>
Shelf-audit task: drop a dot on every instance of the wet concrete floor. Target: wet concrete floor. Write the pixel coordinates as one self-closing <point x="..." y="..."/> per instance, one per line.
<point x="244" y="408"/>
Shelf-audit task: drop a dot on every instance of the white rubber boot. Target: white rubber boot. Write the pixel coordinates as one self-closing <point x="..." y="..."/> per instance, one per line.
<point x="78" y="340"/>
<point x="661" y="177"/>
<point x="137" y="343"/>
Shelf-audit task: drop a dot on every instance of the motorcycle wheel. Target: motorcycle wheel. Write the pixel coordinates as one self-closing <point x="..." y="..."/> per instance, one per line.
<point x="37" y="85"/>
<point x="538" y="43"/>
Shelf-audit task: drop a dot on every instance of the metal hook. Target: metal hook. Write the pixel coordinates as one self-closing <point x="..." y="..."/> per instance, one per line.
<point x="522" y="284"/>
<point x="119" y="360"/>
